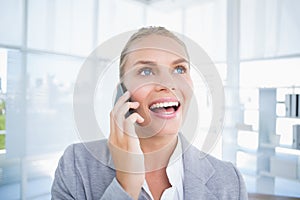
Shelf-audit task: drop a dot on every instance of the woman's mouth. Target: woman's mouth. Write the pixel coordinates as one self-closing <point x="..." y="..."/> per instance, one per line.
<point x="165" y="109"/>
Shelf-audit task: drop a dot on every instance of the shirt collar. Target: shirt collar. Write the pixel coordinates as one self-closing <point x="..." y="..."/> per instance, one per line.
<point x="175" y="173"/>
<point x="175" y="165"/>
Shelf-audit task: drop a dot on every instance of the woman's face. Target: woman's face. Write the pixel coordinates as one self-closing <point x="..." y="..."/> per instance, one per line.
<point x="157" y="74"/>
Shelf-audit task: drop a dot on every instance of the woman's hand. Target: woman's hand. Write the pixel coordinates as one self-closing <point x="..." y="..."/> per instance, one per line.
<point x="125" y="147"/>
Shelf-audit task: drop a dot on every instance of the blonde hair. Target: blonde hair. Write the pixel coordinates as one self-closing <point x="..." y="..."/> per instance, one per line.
<point x="144" y="32"/>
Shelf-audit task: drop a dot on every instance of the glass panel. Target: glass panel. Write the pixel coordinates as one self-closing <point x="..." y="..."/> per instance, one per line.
<point x="269" y="28"/>
<point x="206" y="24"/>
<point x="3" y="70"/>
<point x="43" y="107"/>
<point x="15" y="109"/>
<point x="246" y="162"/>
<point x="50" y="85"/>
<point x="249" y="98"/>
<point x="3" y="78"/>
<point x="289" y="27"/>
<point x="12" y="167"/>
<point x="11" y="22"/>
<point x="170" y="19"/>
<point x="222" y="69"/>
<point x="117" y="16"/>
<point x="40" y="25"/>
<point x="248" y="139"/>
<point x="64" y="26"/>
<point x="270" y="73"/>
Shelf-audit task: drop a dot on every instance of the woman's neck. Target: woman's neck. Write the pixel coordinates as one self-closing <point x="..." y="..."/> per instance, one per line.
<point x="158" y="150"/>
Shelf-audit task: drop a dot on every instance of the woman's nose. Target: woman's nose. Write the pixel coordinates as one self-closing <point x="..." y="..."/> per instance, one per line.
<point x="165" y="82"/>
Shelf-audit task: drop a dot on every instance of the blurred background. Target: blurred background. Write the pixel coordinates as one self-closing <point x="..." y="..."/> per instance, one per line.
<point x="255" y="45"/>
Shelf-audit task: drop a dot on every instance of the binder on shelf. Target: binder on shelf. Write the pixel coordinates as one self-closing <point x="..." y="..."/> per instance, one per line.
<point x="298" y="168"/>
<point x="298" y="105"/>
<point x="296" y="136"/>
<point x="288" y="104"/>
<point x="292" y="105"/>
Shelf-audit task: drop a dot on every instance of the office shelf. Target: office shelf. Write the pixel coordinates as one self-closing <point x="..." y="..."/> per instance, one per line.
<point x="270" y="162"/>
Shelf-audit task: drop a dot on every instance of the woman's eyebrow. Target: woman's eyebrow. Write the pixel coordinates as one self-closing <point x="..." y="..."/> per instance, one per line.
<point x="180" y="60"/>
<point x="145" y="62"/>
<point x="153" y="63"/>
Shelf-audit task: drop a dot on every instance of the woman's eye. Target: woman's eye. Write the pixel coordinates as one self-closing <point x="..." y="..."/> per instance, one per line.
<point x="179" y="70"/>
<point x="146" y="72"/>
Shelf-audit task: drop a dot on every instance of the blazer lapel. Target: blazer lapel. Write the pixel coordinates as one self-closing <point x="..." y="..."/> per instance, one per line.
<point x="197" y="171"/>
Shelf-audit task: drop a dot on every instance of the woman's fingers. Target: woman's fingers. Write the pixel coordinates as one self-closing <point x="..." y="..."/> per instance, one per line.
<point x="122" y="100"/>
<point x="125" y="127"/>
<point x="126" y="107"/>
<point x="135" y="117"/>
<point x="121" y="127"/>
<point x="121" y="108"/>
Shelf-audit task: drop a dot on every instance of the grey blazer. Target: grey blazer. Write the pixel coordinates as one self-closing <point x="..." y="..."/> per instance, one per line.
<point x="80" y="175"/>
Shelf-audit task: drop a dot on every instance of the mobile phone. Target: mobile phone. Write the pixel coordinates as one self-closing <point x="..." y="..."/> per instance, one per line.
<point x="121" y="89"/>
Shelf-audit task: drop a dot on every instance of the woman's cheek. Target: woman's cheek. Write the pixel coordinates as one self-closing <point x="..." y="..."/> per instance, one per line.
<point x="187" y="92"/>
<point x="141" y="95"/>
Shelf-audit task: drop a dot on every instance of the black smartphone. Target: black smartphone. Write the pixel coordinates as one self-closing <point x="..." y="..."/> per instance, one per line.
<point x="121" y="89"/>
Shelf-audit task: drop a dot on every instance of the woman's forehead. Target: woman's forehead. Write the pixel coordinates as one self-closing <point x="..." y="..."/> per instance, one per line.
<point x="154" y="56"/>
<point x="160" y="43"/>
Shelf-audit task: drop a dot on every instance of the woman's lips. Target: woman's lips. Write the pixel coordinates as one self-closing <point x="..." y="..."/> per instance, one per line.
<point x="164" y="105"/>
<point x="165" y="108"/>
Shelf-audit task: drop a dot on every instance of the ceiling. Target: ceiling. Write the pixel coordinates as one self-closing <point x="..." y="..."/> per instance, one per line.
<point x="172" y="4"/>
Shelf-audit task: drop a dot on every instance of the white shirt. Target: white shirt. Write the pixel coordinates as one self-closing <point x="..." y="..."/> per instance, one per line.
<point x="175" y="175"/>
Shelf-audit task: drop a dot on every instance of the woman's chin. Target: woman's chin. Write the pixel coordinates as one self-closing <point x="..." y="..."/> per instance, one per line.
<point x="159" y="125"/>
<point x="166" y="129"/>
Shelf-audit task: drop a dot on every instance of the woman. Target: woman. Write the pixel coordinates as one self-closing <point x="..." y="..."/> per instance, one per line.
<point x="146" y="157"/>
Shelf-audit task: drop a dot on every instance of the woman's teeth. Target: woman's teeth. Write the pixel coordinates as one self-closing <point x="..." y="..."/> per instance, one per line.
<point x="164" y="105"/>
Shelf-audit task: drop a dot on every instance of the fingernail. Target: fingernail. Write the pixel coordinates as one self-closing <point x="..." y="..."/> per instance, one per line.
<point x="140" y="120"/>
